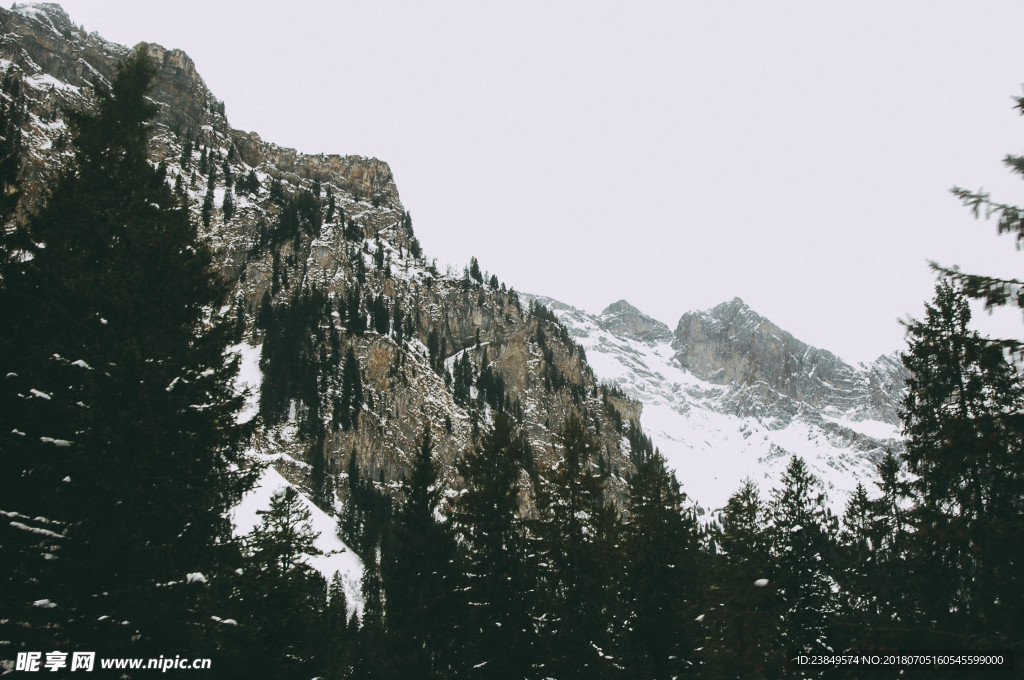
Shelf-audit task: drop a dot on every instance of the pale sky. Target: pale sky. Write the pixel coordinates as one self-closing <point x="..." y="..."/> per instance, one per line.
<point x="676" y="154"/>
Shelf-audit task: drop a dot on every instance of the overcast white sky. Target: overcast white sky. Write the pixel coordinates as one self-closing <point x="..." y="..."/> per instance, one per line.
<point x="677" y="154"/>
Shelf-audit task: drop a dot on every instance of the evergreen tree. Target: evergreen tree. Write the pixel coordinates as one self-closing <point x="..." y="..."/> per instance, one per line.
<point x="206" y="212"/>
<point x="858" y="544"/>
<point x="282" y="598"/>
<point x="581" y="566"/>
<point x="350" y="525"/>
<point x="995" y="291"/>
<point x="276" y="192"/>
<point x="321" y="481"/>
<point x="229" y="204"/>
<point x="743" y="621"/>
<point x="360" y="267"/>
<point x="285" y="534"/>
<point x="892" y="530"/>
<point x="349" y="403"/>
<point x="490" y="385"/>
<point x="436" y="351"/>
<point x="462" y="379"/>
<point x="501" y="639"/>
<point x="419" y="576"/>
<point x="249" y="184"/>
<point x="373" y="658"/>
<point x="963" y="430"/>
<point x="355" y="320"/>
<point x="331" y="206"/>
<point x="12" y="117"/>
<point x="662" y="577"/>
<point x="380" y="319"/>
<point x="396" y="324"/>
<point x="186" y="154"/>
<point x="338" y="635"/>
<point x="474" y="270"/>
<point x="803" y="546"/>
<point x="995" y="597"/>
<point x="121" y="446"/>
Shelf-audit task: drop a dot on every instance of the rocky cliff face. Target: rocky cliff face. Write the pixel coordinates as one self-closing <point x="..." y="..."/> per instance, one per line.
<point x="328" y="235"/>
<point x="59" y="62"/>
<point x="625" y="320"/>
<point x="731" y="395"/>
<point x="731" y="344"/>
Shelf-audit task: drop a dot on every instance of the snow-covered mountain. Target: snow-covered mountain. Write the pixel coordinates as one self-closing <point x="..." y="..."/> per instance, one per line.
<point x="730" y="395"/>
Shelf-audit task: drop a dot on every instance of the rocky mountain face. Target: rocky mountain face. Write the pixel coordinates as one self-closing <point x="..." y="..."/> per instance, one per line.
<point x="323" y="261"/>
<point x="733" y="344"/>
<point x="730" y="395"/>
<point x="625" y="320"/>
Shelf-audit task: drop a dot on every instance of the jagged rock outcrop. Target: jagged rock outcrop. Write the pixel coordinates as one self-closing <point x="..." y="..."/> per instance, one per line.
<point x="731" y="344"/>
<point x="623" y="319"/>
<point x="60" y="61"/>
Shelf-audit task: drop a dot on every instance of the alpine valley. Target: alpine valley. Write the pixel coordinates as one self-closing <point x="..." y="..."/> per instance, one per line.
<point x="357" y="354"/>
<point x="324" y="261"/>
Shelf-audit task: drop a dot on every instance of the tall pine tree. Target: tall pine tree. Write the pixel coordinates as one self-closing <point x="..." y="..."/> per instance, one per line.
<point x="501" y="639"/>
<point x="743" y="622"/>
<point x="579" y="533"/>
<point x="663" y="575"/>
<point x="420" y="576"/>
<point x="121" y="434"/>
<point x="282" y="598"/>
<point x="803" y="538"/>
<point x="964" y="437"/>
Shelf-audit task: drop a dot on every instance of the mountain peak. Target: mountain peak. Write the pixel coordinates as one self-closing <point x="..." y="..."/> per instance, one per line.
<point x="731" y="344"/>
<point x="730" y="308"/>
<point x="49" y="9"/>
<point x="622" y="318"/>
<point x="735" y="388"/>
<point x="620" y="307"/>
<point x="51" y="15"/>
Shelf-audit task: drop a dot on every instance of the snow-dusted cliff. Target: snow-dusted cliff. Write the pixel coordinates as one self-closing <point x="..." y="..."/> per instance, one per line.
<point x="730" y="395"/>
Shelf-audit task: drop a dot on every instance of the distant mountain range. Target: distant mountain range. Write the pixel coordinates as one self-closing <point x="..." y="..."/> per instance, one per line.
<point x="729" y="395"/>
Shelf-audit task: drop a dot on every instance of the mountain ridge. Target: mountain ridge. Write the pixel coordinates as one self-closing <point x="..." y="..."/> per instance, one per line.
<point x="732" y="387"/>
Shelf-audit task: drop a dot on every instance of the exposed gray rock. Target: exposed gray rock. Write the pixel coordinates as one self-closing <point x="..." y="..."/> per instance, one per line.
<point x="622" y="318"/>
<point x="731" y="344"/>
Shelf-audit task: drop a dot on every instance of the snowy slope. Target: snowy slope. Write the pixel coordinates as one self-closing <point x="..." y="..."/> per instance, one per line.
<point x="715" y="435"/>
<point x="248" y="379"/>
<point x="337" y="556"/>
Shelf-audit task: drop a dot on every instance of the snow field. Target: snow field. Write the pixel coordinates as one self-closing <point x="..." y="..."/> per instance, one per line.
<point x="337" y="556"/>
